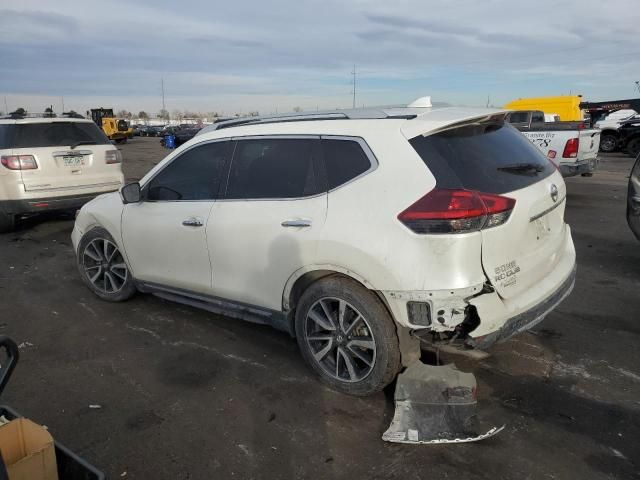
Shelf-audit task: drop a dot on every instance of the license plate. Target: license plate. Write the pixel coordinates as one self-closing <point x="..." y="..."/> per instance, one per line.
<point x="73" y="161"/>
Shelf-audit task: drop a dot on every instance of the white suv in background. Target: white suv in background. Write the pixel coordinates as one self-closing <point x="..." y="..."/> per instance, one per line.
<point x="358" y="232"/>
<point x="53" y="164"/>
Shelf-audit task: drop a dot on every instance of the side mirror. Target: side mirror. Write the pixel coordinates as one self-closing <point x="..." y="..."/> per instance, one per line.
<point x="130" y="193"/>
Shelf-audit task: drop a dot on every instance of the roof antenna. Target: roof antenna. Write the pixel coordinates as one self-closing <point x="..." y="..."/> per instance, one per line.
<point x="422" y="102"/>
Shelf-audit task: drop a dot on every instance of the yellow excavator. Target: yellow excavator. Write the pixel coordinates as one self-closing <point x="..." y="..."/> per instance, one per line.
<point x="117" y="129"/>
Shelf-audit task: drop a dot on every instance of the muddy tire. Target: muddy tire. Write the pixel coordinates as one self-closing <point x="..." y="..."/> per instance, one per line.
<point x="347" y="336"/>
<point x="7" y="222"/>
<point x="103" y="268"/>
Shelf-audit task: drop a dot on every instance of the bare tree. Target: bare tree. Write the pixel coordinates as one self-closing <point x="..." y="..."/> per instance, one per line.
<point x="124" y="114"/>
<point x="254" y="114"/>
<point x="164" y="114"/>
<point x="297" y="109"/>
<point x="143" y="115"/>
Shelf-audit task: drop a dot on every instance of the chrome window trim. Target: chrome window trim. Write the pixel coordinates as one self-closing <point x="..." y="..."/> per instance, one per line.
<point x="548" y="210"/>
<point x="361" y="141"/>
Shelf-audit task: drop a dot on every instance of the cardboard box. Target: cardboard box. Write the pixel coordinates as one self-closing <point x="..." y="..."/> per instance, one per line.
<point x="28" y="451"/>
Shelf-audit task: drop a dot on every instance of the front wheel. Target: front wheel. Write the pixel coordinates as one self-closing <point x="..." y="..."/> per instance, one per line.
<point x="347" y="336"/>
<point x="103" y="268"/>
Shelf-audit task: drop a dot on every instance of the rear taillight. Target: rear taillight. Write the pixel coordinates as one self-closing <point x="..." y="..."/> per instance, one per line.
<point x="571" y="148"/>
<point x="19" y="162"/>
<point x="113" y="156"/>
<point x="551" y="155"/>
<point x="456" y="211"/>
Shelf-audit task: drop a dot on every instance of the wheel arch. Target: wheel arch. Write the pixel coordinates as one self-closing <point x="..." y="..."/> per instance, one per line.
<point x="305" y="277"/>
<point x="301" y="279"/>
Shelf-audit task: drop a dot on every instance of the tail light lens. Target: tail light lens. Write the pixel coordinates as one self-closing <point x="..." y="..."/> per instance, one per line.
<point x="456" y="211"/>
<point x="113" y="156"/>
<point x="19" y="162"/>
<point x="571" y="148"/>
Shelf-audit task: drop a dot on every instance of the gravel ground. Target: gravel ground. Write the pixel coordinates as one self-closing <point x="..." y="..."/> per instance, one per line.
<point x="185" y="394"/>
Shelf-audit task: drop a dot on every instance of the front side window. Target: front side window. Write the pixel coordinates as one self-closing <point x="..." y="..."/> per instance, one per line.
<point x="273" y="168"/>
<point x="194" y="175"/>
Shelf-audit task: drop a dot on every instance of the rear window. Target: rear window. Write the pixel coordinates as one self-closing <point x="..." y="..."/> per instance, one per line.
<point x="519" y="117"/>
<point x="56" y="134"/>
<point x="491" y="157"/>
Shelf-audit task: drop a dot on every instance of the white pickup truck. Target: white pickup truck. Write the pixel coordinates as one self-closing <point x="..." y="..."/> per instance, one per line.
<point x="569" y="145"/>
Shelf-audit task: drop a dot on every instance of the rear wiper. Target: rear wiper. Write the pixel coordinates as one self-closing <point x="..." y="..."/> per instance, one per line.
<point x="82" y="142"/>
<point x="522" y="168"/>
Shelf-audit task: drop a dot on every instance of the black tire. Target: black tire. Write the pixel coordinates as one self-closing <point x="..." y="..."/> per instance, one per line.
<point x="608" y="143"/>
<point x="7" y="222"/>
<point x="384" y="359"/>
<point x="633" y="147"/>
<point x="114" y="282"/>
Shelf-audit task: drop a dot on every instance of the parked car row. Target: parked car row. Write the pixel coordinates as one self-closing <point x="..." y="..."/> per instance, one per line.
<point x="150" y="130"/>
<point x="181" y="135"/>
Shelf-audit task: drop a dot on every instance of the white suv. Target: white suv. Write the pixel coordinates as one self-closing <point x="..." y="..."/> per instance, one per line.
<point x="361" y="233"/>
<point x="53" y="164"/>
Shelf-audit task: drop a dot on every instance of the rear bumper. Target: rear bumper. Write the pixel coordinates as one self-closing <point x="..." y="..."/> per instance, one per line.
<point x="528" y="319"/>
<point x="578" y="168"/>
<point x="34" y="205"/>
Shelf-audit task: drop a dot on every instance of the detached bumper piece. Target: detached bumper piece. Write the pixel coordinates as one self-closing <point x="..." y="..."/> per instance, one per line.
<point x="435" y="405"/>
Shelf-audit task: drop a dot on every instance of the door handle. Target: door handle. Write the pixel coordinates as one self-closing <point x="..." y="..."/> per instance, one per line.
<point x="296" y="223"/>
<point x="192" y="222"/>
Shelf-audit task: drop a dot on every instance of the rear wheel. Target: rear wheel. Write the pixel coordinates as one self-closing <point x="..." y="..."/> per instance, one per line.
<point x="103" y="268"/>
<point x="633" y="147"/>
<point x="347" y="336"/>
<point x="608" y="143"/>
<point x="7" y="222"/>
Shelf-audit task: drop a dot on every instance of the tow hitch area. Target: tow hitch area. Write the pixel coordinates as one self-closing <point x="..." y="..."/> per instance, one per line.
<point x="435" y="404"/>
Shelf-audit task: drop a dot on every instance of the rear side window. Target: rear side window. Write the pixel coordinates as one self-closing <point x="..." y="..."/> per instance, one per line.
<point x="6" y="136"/>
<point x="537" y="117"/>
<point x="57" y="134"/>
<point x="518" y="117"/>
<point x="344" y="160"/>
<point x="194" y="175"/>
<point x="273" y="168"/>
<point x="491" y="157"/>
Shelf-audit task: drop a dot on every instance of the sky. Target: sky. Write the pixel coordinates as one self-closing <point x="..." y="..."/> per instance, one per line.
<point x="249" y="55"/>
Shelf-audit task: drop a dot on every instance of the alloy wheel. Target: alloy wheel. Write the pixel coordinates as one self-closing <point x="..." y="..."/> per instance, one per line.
<point x="340" y="340"/>
<point x="104" y="266"/>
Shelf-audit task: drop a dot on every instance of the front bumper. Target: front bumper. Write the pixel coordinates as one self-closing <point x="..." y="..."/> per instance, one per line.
<point x="578" y="168"/>
<point x="527" y="319"/>
<point x="35" y="205"/>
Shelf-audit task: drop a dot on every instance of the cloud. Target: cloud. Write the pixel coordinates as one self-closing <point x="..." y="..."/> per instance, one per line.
<point x="244" y="54"/>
